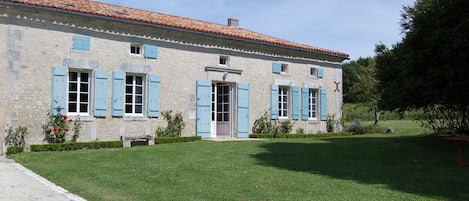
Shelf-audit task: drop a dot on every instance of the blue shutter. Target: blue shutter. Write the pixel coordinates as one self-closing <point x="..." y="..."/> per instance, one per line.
<point x="323" y="105"/>
<point x="100" y="93"/>
<point x="59" y="90"/>
<point x="150" y="51"/>
<point x="295" y="103"/>
<point x="273" y="101"/>
<point x="304" y="104"/>
<point x="276" y="68"/>
<point x="118" y="79"/>
<point x="81" y="43"/>
<point x="153" y="95"/>
<point x="320" y="73"/>
<point x="203" y="107"/>
<point x="243" y="110"/>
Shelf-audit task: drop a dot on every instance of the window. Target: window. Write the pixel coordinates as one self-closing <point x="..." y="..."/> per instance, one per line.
<point x="135" y="49"/>
<point x="78" y="92"/>
<point x="283" y="102"/>
<point x="284" y="68"/>
<point x="313" y="71"/>
<point x="223" y="103"/>
<point x="134" y="90"/>
<point x="312" y="103"/>
<point x="224" y="61"/>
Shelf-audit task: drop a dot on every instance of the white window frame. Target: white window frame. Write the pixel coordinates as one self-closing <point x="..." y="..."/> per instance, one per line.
<point x="283" y="101"/>
<point x="78" y="101"/>
<point x="313" y="102"/>
<point x="133" y="94"/>
<point x="284" y="68"/>
<point x="138" y="46"/>
<point x="224" y="58"/>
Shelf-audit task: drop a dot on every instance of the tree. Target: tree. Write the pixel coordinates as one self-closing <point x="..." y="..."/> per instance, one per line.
<point x="352" y="71"/>
<point x="429" y="69"/>
<point x="364" y="88"/>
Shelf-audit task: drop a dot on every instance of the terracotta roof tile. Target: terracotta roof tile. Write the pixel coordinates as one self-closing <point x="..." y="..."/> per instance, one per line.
<point x="155" y="18"/>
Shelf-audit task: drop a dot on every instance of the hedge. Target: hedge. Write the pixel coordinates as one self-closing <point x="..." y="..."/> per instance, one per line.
<point x="164" y="140"/>
<point x="300" y="135"/>
<point x="14" y="150"/>
<point x="76" y="146"/>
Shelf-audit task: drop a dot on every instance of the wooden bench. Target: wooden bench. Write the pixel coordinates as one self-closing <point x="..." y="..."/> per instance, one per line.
<point x="138" y="140"/>
<point x="460" y="141"/>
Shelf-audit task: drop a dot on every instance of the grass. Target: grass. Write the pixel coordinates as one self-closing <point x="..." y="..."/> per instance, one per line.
<point x="400" y="166"/>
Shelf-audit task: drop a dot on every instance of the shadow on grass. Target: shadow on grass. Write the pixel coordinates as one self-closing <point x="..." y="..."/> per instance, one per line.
<point x="421" y="165"/>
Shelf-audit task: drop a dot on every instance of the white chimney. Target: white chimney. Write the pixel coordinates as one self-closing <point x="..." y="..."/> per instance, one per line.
<point x="233" y="22"/>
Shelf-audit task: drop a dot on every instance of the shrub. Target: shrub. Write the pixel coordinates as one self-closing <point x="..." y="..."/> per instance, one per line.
<point x="285" y="135"/>
<point x="76" y="146"/>
<point x="164" y="140"/>
<point x="57" y="127"/>
<point x="14" y="150"/>
<point x="175" y="125"/>
<point x="16" y="137"/>
<point x="366" y="129"/>
<point x="263" y="124"/>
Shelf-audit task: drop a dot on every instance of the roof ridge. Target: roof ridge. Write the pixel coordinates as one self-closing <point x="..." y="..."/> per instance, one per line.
<point x="168" y="20"/>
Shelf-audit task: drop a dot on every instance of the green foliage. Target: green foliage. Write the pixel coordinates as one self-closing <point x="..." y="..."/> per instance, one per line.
<point x="429" y="66"/>
<point x="56" y="128"/>
<point x="366" y="129"/>
<point x="76" y="146"/>
<point x="286" y="135"/>
<point x="363" y="112"/>
<point x="446" y="120"/>
<point x="16" y="137"/>
<point x="265" y="125"/>
<point x="14" y="150"/>
<point x="331" y="123"/>
<point x="300" y="131"/>
<point x="165" y="140"/>
<point x="175" y="125"/>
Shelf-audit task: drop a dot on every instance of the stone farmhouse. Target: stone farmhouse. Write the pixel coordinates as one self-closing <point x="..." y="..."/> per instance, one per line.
<point x="119" y="68"/>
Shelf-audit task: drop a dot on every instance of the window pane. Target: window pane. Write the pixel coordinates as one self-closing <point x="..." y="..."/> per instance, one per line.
<point x="138" y="99"/>
<point x="139" y="90"/>
<point x="128" y="79"/>
<point x="128" y="89"/>
<point x="72" y="87"/>
<point x="226" y="107"/>
<point x="225" y="98"/>
<point x="84" y="87"/>
<point x="83" y="107"/>
<point x="73" y="76"/>
<point x="84" y="77"/>
<point x="72" y="97"/>
<point x="139" y="80"/>
<point x="226" y="117"/>
<point x="84" y="97"/>
<point x="219" y="107"/>
<point x="138" y="109"/>
<point x="72" y="107"/>
<point x="128" y="99"/>
<point x="128" y="108"/>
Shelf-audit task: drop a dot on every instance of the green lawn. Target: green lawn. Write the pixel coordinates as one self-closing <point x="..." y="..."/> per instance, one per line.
<point x="400" y="166"/>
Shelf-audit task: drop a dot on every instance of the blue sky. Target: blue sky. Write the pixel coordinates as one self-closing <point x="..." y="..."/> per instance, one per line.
<point x="353" y="27"/>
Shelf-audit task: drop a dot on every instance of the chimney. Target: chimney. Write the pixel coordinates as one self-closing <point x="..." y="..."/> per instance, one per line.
<point x="233" y="22"/>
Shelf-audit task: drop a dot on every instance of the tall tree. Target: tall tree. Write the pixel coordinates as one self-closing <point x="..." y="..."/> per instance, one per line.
<point x="429" y="68"/>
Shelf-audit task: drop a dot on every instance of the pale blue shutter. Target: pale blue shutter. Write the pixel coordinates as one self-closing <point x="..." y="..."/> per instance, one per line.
<point x="320" y="73"/>
<point x="100" y="93"/>
<point x="81" y="43"/>
<point x="59" y="90"/>
<point x="153" y="95"/>
<point x="295" y="103"/>
<point x="243" y="110"/>
<point x="276" y="68"/>
<point x="118" y="79"/>
<point x="323" y="105"/>
<point x="203" y="107"/>
<point x="273" y="101"/>
<point x="150" y="51"/>
<point x="304" y="104"/>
